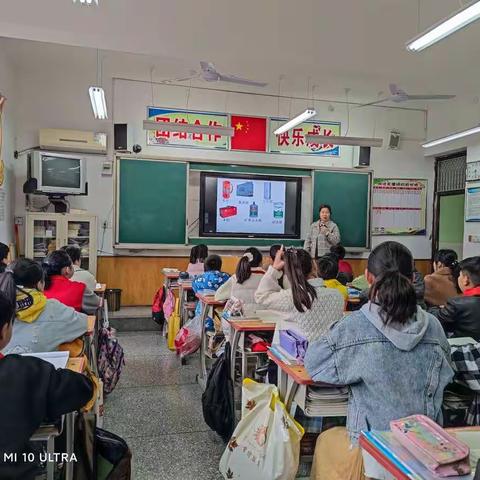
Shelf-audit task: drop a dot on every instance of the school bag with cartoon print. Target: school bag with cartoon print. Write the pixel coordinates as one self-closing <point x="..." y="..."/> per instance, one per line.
<point x="110" y="358"/>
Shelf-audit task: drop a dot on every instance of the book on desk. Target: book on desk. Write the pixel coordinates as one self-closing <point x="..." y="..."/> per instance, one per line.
<point x="57" y="359"/>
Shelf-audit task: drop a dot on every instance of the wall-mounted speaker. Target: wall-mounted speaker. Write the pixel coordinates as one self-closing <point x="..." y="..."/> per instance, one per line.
<point x="120" y="136"/>
<point x="394" y="140"/>
<point x="361" y="157"/>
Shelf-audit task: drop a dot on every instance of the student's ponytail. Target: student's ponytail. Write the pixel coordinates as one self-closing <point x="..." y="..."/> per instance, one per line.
<point x="8" y="286"/>
<point x="53" y="264"/>
<point x="391" y="264"/>
<point x="449" y="258"/>
<point x="298" y="266"/>
<point x="251" y="258"/>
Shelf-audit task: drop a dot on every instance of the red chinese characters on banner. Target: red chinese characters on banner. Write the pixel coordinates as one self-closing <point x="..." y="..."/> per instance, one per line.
<point x="317" y="131"/>
<point x="184" y="135"/>
<point x="297" y="139"/>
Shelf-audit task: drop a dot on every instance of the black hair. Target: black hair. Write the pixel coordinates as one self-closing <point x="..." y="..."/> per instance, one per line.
<point x="7" y="310"/>
<point x="327" y="267"/>
<point x="198" y="253"/>
<point x="73" y="251"/>
<point x="471" y="266"/>
<point x="392" y="265"/>
<point x="213" y="262"/>
<point x="298" y="265"/>
<point x="24" y="272"/>
<point x="449" y="258"/>
<point x="4" y="251"/>
<point x="274" y="249"/>
<point x="54" y="263"/>
<point x="244" y="266"/>
<point x="338" y="250"/>
<point x="325" y="205"/>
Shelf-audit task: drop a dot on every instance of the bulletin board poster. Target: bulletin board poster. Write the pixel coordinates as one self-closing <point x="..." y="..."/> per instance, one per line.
<point x="472" y="203"/>
<point x="293" y="141"/>
<point x="183" y="139"/>
<point x="399" y="206"/>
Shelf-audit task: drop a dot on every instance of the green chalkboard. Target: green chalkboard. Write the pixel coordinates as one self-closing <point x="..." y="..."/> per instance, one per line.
<point x="151" y="202"/>
<point x="348" y="193"/>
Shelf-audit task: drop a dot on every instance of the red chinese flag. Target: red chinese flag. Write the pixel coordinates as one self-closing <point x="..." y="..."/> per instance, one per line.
<point x="250" y="133"/>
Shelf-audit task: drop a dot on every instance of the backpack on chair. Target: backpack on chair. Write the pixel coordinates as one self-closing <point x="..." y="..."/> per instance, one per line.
<point x="110" y="358"/>
<point x="158" y="316"/>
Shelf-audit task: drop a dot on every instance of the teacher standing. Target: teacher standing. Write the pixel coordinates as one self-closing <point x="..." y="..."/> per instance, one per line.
<point x="323" y="234"/>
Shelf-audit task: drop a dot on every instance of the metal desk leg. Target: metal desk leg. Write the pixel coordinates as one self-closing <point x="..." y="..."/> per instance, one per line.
<point x="282" y="379"/>
<point x="203" y="361"/>
<point x="50" y="464"/>
<point x="182" y="303"/>
<point x="244" y="360"/>
<point x="235" y="341"/>
<point x="70" y="432"/>
<point x="291" y="392"/>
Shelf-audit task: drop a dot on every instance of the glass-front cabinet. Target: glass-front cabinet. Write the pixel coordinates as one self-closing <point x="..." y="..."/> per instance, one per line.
<point x="46" y="232"/>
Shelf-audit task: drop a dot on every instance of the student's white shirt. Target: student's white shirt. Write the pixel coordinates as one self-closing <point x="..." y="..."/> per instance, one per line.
<point x="84" y="276"/>
<point x="326" y="309"/>
<point x="243" y="291"/>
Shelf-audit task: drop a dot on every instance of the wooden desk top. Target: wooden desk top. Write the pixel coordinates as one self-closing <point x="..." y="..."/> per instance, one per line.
<point x="252" y="326"/>
<point x="91" y="320"/>
<point x="172" y="275"/>
<point x="210" y="300"/>
<point x="185" y="284"/>
<point x="101" y="289"/>
<point x="297" y="372"/>
<point x="76" y="364"/>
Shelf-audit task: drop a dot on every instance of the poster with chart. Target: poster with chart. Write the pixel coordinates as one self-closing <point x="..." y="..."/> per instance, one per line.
<point x="472" y="202"/>
<point x="399" y="206"/>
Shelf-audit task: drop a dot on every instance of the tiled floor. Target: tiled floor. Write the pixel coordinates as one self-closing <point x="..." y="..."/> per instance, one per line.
<point x="157" y="408"/>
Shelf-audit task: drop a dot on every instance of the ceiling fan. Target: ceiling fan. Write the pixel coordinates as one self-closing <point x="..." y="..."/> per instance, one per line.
<point x="209" y="73"/>
<point x="398" y="96"/>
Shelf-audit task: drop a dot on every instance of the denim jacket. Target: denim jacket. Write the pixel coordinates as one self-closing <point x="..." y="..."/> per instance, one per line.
<point x="392" y="371"/>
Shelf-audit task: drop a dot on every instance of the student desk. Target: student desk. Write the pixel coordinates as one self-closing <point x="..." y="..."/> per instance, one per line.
<point x="293" y="381"/>
<point x="91" y="338"/>
<point x="100" y="289"/>
<point x="208" y="303"/>
<point x="240" y="328"/>
<point x="170" y="279"/>
<point x="394" y="469"/>
<point x="184" y="286"/>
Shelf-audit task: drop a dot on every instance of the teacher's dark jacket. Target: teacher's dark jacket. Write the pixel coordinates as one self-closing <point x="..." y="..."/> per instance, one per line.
<point x="317" y="244"/>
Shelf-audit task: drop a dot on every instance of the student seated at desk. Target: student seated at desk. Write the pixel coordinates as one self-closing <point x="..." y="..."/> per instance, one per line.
<point x="58" y="269"/>
<point x="345" y="272"/>
<point x="460" y="317"/>
<point x="211" y="280"/>
<point x="4" y="251"/>
<point x="327" y="269"/>
<point x="394" y="357"/>
<point x="42" y="325"/>
<point x="79" y="274"/>
<point x="32" y="391"/>
<point x="310" y="307"/>
<point x="442" y="284"/>
<point x="198" y="254"/>
<point x="243" y="284"/>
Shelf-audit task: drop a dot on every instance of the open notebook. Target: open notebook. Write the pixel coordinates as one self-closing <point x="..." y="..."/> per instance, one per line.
<point x="390" y="448"/>
<point x="57" y="359"/>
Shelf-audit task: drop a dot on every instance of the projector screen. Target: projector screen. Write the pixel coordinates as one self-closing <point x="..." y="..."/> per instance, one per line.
<point x="249" y="206"/>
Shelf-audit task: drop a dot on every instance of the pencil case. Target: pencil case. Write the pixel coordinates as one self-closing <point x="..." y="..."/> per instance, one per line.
<point x="430" y="444"/>
<point x="293" y="343"/>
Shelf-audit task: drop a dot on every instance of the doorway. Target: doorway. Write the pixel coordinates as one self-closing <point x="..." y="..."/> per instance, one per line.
<point x="449" y="203"/>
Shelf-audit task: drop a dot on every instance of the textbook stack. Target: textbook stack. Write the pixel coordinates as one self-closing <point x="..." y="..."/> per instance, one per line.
<point x="326" y="401"/>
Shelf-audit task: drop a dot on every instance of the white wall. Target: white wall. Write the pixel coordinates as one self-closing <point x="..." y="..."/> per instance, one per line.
<point x="7" y="88"/>
<point x="57" y="98"/>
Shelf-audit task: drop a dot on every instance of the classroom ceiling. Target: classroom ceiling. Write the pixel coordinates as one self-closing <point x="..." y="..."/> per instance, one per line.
<point x="334" y="45"/>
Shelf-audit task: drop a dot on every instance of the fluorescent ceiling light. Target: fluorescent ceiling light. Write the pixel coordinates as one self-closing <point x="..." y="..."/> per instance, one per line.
<point x="188" y="128"/>
<point x="99" y="105"/>
<point x="86" y="2"/>
<point x="353" y="141"/>
<point x="302" y="117"/>
<point x="453" y="136"/>
<point x="446" y="27"/>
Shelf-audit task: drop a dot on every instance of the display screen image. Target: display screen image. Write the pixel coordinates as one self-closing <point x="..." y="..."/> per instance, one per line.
<point x="61" y="172"/>
<point x="249" y="205"/>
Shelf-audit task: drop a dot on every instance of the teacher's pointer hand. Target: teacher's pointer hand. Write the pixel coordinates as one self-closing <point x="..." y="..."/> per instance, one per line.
<point x="324" y="230"/>
<point x="279" y="262"/>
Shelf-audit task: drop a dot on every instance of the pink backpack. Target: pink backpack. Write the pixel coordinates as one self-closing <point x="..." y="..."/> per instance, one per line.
<point x="169" y="304"/>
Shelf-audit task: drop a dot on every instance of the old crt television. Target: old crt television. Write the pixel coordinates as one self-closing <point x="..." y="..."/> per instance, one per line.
<point x="58" y="173"/>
